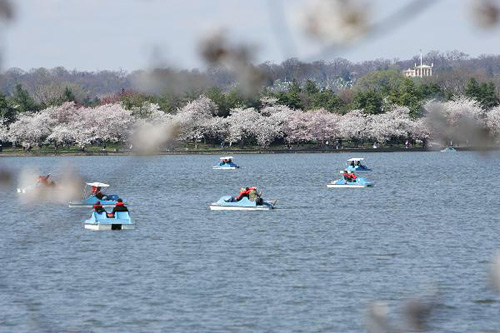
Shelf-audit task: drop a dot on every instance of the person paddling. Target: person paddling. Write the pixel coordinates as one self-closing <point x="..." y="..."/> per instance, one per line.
<point x="346" y="176"/>
<point x="352" y="177"/>
<point x="98" y="208"/>
<point x="119" y="207"/>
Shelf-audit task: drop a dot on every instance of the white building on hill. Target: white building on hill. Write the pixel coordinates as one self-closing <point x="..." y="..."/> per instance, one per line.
<point x="419" y="70"/>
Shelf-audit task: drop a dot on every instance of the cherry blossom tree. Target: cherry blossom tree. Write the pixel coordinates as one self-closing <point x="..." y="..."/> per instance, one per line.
<point x="31" y="129"/>
<point x="324" y="125"/>
<point x="297" y="128"/>
<point x="354" y="126"/>
<point x="193" y="118"/>
<point x="493" y="122"/>
<point x="395" y="124"/>
<point x="153" y="129"/>
<point x="461" y="119"/>
<point x="242" y="125"/>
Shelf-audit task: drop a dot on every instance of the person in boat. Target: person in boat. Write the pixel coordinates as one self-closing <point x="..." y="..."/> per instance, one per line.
<point x="352" y="163"/>
<point x="358" y="163"/>
<point x="96" y="191"/>
<point x="119" y="207"/>
<point x="245" y="192"/>
<point x="98" y="208"/>
<point x="352" y="177"/>
<point x="253" y="195"/>
<point x="346" y="176"/>
<point x="44" y="180"/>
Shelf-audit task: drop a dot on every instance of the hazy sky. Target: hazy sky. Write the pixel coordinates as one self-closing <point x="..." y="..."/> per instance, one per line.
<point x="131" y="34"/>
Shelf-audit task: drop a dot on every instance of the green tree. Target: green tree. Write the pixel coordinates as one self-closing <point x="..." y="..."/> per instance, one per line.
<point x="68" y="95"/>
<point x="370" y="102"/>
<point x="407" y="94"/>
<point x="23" y="101"/>
<point x="311" y="88"/>
<point x="472" y="88"/>
<point x="484" y="93"/>
<point x="382" y="82"/>
<point x="328" y="100"/>
<point x="224" y="102"/>
<point x="7" y="111"/>
<point x="293" y="96"/>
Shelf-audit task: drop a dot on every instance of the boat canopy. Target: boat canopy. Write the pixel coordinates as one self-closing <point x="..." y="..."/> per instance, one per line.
<point x="355" y="159"/>
<point x="226" y="158"/>
<point x="97" y="184"/>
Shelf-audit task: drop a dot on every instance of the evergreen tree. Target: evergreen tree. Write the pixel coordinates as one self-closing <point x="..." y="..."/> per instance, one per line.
<point x="7" y="111"/>
<point x="368" y="101"/>
<point x="23" y="101"/>
<point x="328" y="100"/>
<point x="311" y="88"/>
<point x="68" y="95"/>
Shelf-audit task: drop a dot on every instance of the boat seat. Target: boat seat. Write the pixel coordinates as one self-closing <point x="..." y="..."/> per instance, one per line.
<point x="112" y="197"/>
<point x="101" y="216"/>
<point x="122" y="215"/>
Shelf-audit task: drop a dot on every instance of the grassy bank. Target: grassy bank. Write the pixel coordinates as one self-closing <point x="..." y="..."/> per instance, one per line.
<point x="186" y="149"/>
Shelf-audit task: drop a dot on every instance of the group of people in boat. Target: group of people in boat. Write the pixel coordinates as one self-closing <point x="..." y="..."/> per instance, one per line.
<point x="353" y="164"/>
<point x="44" y="181"/>
<point x="251" y="193"/>
<point x="119" y="207"/>
<point x="97" y="192"/>
<point x="349" y="176"/>
<point x="225" y="161"/>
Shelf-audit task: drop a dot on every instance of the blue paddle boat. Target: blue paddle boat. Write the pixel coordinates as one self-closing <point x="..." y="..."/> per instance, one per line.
<point x="226" y="163"/>
<point x="356" y="183"/>
<point x="121" y="221"/>
<point x="91" y="198"/>
<point x="355" y="165"/>
<point x="228" y="202"/>
<point x="248" y="199"/>
<point x="449" y="149"/>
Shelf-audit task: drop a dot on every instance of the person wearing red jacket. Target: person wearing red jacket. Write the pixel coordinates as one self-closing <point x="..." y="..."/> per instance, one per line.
<point x="245" y="192"/>
<point x="98" y="208"/>
<point x="346" y="176"/>
<point x="352" y="177"/>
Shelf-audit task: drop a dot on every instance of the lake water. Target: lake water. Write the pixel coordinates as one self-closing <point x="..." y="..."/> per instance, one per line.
<point x="313" y="265"/>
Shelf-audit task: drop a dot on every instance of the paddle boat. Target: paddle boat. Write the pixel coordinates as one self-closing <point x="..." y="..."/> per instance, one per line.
<point x="42" y="184"/>
<point x="92" y="197"/>
<point x="101" y="221"/>
<point x="226" y="163"/>
<point x="355" y="165"/>
<point x="449" y="149"/>
<point x="249" y="199"/>
<point x="356" y="183"/>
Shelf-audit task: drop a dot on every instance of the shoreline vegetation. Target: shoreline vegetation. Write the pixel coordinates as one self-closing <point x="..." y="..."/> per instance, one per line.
<point x="382" y="108"/>
<point x="99" y="151"/>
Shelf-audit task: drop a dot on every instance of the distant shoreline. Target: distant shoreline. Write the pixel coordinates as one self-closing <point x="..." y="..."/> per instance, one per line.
<point x="240" y="152"/>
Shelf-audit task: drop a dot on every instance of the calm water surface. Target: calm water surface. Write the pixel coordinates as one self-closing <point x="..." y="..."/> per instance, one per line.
<point x="314" y="265"/>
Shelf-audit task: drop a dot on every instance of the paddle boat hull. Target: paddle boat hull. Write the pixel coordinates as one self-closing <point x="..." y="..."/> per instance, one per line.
<point x="226" y="166"/>
<point x="98" y="222"/>
<point x="110" y="201"/>
<point x="359" y="183"/>
<point x="449" y="150"/>
<point x="229" y="203"/>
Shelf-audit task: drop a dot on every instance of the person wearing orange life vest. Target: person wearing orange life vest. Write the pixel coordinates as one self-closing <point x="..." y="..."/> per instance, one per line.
<point x="119" y="207"/>
<point x="44" y="180"/>
<point x="245" y="192"/>
<point x="346" y="175"/>
<point x="352" y="177"/>
<point x="98" y="208"/>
